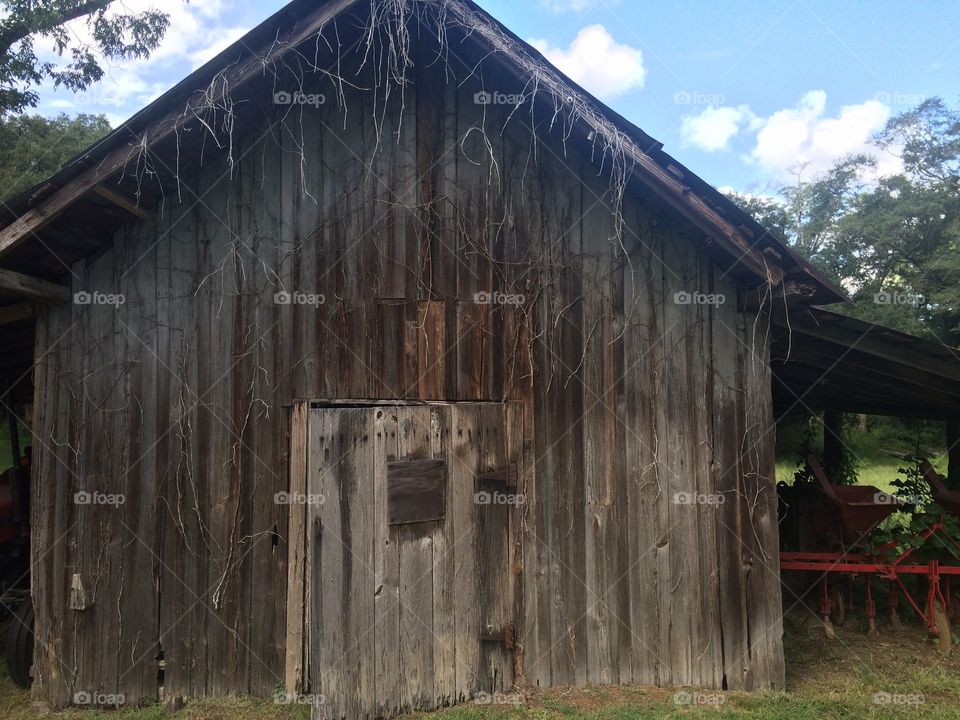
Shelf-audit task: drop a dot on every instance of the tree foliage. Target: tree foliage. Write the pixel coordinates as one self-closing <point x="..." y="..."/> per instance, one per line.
<point x="892" y="244"/>
<point x="33" y="147"/>
<point x="34" y="33"/>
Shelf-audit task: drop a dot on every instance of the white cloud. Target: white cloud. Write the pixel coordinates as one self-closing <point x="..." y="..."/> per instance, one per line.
<point x="597" y="62"/>
<point x="714" y="127"/>
<point x="559" y="6"/>
<point x="228" y="37"/>
<point x="198" y="31"/>
<point x="802" y="137"/>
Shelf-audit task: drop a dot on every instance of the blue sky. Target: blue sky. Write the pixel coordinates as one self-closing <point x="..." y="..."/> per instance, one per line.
<point x="746" y="94"/>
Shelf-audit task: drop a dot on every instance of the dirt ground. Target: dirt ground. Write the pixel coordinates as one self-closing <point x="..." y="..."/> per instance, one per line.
<point x="896" y="660"/>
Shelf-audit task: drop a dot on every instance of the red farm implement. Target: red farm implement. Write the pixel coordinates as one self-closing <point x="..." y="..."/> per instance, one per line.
<point x="826" y="529"/>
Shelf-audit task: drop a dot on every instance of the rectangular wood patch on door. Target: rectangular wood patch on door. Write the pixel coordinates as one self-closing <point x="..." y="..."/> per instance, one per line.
<point x="416" y="491"/>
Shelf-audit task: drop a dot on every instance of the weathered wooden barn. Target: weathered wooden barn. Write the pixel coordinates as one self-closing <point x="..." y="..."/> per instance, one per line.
<point x="419" y="372"/>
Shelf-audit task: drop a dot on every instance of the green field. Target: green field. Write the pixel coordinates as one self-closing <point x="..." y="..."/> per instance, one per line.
<point x="6" y="458"/>
<point x="868" y="447"/>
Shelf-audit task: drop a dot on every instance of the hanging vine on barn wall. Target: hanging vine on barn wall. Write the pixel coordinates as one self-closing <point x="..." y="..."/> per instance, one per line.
<point x="385" y="56"/>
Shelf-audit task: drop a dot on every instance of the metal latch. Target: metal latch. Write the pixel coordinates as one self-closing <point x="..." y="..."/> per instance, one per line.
<point x="505" y="477"/>
<point x="505" y="635"/>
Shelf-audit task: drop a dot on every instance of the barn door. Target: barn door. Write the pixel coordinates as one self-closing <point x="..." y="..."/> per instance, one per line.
<point x="409" y="594"/>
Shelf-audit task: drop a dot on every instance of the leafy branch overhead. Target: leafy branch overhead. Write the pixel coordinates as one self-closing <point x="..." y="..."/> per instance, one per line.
<point x="40" y="43"/>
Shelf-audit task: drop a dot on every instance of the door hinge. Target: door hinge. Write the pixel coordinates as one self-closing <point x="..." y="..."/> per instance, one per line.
<point x="504" y="636"/>
<point x="505" y="477"/>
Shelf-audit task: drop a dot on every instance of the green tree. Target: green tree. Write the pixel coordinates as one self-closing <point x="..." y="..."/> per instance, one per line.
<point x="894" y="245"/>
<point x="33" y="147"/>
<point x="899" y="243"/>
<point x="112" y="36"/>
<point x="772" y="213"/>
<point x="808" y="213"/>
<point x="927" y="139"/>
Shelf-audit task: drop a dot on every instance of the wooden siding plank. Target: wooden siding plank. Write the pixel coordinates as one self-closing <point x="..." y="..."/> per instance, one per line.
<point x="137" y="342"/>
<point x="265" y="431"/>
<point x="680" y="594"/>
<point x="176" y="262"/>
<point x="764" y="609"/>
<point x="710" y="651"/>
<point x="643" y="349"/>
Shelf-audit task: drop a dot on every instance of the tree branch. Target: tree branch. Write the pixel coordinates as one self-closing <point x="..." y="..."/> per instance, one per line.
<point x="17" y="28"/>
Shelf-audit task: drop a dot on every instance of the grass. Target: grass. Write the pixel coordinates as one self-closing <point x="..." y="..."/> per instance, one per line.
<point x="878" y="470"/>
<point x="874" y="466"/>
<point x="6" y="456"/>
<point x="835" y="680"/>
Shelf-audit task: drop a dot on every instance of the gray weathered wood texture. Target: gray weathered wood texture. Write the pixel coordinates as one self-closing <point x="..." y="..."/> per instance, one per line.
<point x="382" y="220"/>
<point x="397" y="612"/>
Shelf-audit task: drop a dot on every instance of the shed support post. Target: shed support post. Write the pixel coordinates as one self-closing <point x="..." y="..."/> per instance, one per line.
<point x="833" y="444"/>
<point x="953" y="453"/>
<point x="14" y="432"/>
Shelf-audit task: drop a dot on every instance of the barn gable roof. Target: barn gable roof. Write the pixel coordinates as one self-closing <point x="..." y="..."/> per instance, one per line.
<point x="754" y="248"/>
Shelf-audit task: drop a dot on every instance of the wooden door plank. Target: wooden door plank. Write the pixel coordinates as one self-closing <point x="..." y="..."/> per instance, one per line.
<point x="445" y="537"/>
<point x="329" y="430"/>
<point x="357" y="596"/>
<point x="386" y="570"/>
<point x="493" y="552"/>
<point x="524" y="616"/>
<point x="464" y="461"/>
<point x="416" y="575"/>
<point x="298" y="573"/>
